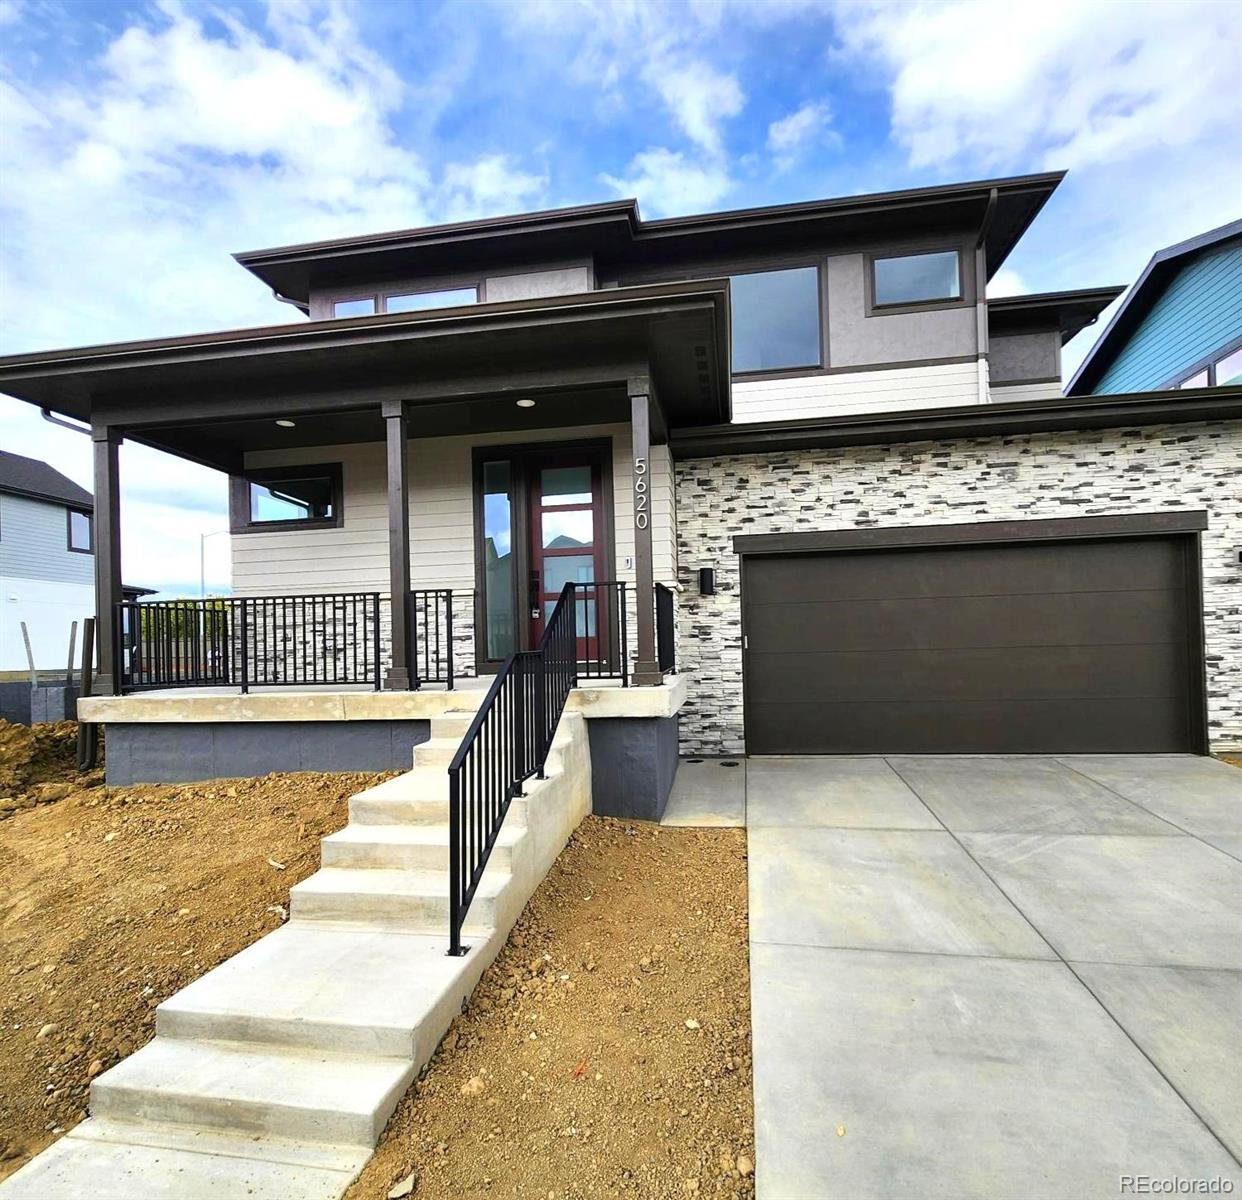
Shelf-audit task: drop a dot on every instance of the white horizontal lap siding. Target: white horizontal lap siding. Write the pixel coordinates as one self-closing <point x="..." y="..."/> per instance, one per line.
<point x="1004" y="392"/>
<point x="355" y="556"/>
<point x="792" y="397"/>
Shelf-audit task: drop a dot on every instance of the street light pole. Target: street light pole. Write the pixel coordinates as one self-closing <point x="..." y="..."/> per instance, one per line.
<point x="202" y="560"/>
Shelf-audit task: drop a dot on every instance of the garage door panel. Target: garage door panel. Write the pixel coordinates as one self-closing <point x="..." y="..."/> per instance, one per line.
<point x="1060" y="619"/>
<point x="1018" y="648"/>
<point x="1028" y="673"/>
<point x="1013" y="727"/>
<point x="968" y="571"/>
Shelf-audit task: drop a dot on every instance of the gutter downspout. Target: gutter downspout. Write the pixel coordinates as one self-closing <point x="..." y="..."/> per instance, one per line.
<point x="52" y="418"/>
<point x="304" y="309"/>
<point x="981" y="300"/>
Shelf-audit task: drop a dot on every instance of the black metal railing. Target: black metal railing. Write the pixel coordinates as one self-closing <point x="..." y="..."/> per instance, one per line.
<point x="251" y="641"/>
<point x="431" y="637"/>
<point x="507" y="742"/>
<point x="666" y="654"/>
<point x="602" y="626"/>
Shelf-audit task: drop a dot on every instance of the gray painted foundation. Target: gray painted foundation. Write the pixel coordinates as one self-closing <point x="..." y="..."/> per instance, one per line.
<point x="633" y="762"/>
<point x="24" y="704"/>
<point x="176" y="752"/>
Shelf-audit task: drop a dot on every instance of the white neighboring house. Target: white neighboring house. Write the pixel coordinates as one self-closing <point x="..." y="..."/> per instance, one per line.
<point x="47" y="561"/>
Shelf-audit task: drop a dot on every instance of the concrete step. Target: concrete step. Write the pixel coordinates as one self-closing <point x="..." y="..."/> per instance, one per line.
<point x="416" y="900"/>
<point x="451" y="725"/>
<point x="116" y="1160"/>
<point x="437" y="752"/>
<point x="376" y="993"/>
<point x="308" y="1095"/>
<point x="406" y="847"/>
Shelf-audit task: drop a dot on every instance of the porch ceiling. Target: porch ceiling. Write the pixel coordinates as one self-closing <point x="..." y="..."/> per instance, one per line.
<point x="211" y="397"/>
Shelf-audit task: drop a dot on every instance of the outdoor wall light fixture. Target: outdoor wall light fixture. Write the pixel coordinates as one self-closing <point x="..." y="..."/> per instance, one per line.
<point x="707" y="581"/>
<point x="286" y="424"/>
<point x="525" y="404"/>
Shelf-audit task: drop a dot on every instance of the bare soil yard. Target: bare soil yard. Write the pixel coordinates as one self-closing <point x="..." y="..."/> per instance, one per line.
<point x="607" y="1050"/>
<point x="111" y="899"/>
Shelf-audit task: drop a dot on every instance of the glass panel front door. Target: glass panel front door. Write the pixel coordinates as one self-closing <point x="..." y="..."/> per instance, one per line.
<point x="499" y="593"/>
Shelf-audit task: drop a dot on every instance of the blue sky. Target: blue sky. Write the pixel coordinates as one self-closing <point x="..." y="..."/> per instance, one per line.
<point x="142" y="143"/>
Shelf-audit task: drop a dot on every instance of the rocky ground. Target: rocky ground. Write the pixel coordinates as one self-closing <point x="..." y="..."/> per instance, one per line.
<point x="607" y="1050"/>
<point x="111" y="899"/>
<point x="37" y="765"/>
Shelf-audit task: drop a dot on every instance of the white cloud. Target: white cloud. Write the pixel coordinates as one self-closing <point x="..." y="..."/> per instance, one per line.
<point x="10" y="10"/>
<point x="668" y="184"/>
<point x="1070" y="82"/>
<point x="1007" y="282"/>
<point x="128" y="183"/>
<point x="791" y="136"/>
<point x="699" y="97"/>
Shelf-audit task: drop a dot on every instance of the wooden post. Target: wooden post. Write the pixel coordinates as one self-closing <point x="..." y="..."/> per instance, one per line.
<point x="646" y="670"/>
<point x="106" y="538"/>
<point x="398" y="677"/>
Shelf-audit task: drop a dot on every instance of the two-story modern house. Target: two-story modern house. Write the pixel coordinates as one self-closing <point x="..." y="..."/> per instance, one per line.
<point x="1179" y="326"/>
<point x="47" y="568"/>
<point x="805" y="428"/>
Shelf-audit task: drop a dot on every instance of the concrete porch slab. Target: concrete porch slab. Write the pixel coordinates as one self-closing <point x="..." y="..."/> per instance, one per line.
<point x="845" y="792"/>
<point x="880" y="890"/>
<point x="1203" y="796"/>
<point x="707" y="793"/>
<point x="1189" y="1023"/>
<point x="1159" y="901"/>
<point x="1020" y="795"/>
<point x="897" y="1075"/>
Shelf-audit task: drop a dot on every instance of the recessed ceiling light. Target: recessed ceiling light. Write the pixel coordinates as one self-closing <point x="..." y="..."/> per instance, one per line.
<point x="526" y="404"/>
<point x="286" y="424"/>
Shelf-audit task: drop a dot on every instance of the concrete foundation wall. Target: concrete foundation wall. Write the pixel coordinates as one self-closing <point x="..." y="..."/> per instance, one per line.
<point x="633" y="761"/>
<point x="180" y="753"/>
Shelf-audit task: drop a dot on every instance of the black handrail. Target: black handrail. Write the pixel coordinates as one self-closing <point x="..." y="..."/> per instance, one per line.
<point x="666" y="655"/>
<point x="431" y="637"/>
<point x="250" y="641"/>
<point x="507" y="742"/>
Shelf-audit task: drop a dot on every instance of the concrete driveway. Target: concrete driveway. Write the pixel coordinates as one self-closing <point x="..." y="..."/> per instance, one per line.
<point x="1004" y="978"/>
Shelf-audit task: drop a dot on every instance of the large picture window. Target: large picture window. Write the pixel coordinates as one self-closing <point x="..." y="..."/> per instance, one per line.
<point x="916" y="278"/>
<point x="295" y="497"/>
<point x="775" y="319"/>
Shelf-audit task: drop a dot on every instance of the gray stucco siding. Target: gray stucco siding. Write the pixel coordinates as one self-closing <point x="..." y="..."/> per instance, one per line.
<point x="1017" y="357"/>
<point x="1062" y="474"/>
<point x="34" y="542"/>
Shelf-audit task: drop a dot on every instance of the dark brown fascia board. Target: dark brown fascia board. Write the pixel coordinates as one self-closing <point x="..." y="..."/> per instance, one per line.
<point x="1072" y="311"/>
<point x="1138" y="303"/>
<point x="584" y="216"/>
<point x="977" y="533"/>
<point x="973" y="421"/>
<point x="463" y="320"/>
<point x="516" y="223"/>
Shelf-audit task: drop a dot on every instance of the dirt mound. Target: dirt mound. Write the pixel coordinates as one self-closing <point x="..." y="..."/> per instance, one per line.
<point x="38" y="765"/>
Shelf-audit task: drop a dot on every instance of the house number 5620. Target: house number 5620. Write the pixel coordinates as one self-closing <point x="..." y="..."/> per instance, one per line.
<point x="641" y="514"/>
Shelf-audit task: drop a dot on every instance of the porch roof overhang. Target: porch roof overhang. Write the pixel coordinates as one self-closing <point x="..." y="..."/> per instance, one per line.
<point x="973" y="421"/>
<point x="1067" y="312"/>
<point x="212" y="397"/>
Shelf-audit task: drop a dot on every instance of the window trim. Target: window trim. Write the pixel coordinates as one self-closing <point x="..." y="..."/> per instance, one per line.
<point x="384" y="297"/>
<point x="821" y="300"/>
<point x="870" y="257"/>
<point x="239" y="497"/>
<point x="378" y="294"/>
<point x="90" y="530"/>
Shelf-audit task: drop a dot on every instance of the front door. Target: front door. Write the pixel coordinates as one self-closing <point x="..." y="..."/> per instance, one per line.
<point x="565" y="536"/>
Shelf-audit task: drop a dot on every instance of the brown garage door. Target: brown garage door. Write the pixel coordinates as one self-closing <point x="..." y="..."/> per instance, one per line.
<point x="1023" y="648"/>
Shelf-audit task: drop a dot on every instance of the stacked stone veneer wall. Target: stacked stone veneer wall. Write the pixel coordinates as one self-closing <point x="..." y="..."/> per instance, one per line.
<point x="1033" y="476"/>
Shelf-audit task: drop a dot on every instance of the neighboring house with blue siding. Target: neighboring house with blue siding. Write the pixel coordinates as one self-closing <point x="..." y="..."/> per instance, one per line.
<point x="47" y="563"/>
<point x="1180" y="325"/>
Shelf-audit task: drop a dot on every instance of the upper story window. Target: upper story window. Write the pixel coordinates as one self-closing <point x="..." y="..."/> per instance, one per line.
<point x="301" y="497"/>
<point x="80" y="532"/>
<point x="1223" y="371"/>
<point x="916" y="278"/>
<point x="396" y="302"/>
<point x="417" y="301"/>
<point x="776" y="322"/>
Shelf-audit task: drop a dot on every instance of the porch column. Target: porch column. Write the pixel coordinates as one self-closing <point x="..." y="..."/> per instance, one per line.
<point x="398" y="677"/>
<point x="646" y="671"/>
<point x="106" y="539"/>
